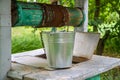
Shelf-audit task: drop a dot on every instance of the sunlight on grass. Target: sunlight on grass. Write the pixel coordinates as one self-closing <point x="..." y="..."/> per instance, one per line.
<point x="25" y="39"/>
<point x="28" y="38"/>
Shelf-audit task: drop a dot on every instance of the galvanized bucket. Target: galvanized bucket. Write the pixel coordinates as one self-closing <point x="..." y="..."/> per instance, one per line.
<point x="59" y="48"/>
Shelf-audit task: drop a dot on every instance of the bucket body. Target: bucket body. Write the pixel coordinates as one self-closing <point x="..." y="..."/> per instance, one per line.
<point x="59" y="48"/>
<point x="85" y="44"/>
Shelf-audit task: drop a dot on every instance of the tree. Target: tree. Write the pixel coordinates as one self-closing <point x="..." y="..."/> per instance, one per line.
<point x="99" y="13"/>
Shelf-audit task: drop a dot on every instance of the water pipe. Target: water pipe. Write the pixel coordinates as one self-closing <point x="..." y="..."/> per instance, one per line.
<point x="45" y="15"/>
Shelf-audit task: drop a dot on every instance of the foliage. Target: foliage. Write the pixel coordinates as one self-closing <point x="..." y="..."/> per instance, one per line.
<point x="68" y="3"/>
<point x="111" y="74"/>
<point x="107" y="20"/>
<point x="114" y="38"/>
<point x="107" y="7"/>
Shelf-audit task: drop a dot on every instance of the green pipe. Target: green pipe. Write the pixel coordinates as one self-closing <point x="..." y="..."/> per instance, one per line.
<point x="76" y="16"/>
<point x="97" y="77"/>
<point x="45" y="15"/>
<point x="29" y="14"/>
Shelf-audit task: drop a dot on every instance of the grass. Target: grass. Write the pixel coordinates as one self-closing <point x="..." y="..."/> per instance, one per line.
<point x="25" y="39"/>
<point x="113" y="74"/>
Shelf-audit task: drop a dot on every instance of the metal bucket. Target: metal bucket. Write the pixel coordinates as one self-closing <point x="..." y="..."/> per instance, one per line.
<point x="59" y="48"/>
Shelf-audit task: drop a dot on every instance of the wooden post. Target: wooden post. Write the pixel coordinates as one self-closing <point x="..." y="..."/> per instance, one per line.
<point x="5" y="38"/>
<point x="83" y="4"/>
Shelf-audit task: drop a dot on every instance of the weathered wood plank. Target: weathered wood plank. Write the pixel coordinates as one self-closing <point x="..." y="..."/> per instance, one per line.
<point x="29" y="53"/>
<point x="84" y="70"/>
<point x="34" y="68"/>
<point x="18" y="71"/>
<point x="83" y="4"/>
<point x="5" y="38"/>
<point x="31" y="61"/>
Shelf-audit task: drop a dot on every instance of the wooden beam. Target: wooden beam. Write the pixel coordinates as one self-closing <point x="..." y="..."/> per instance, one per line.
<point x="5" y="38"/>
<point x="83" y="4"/>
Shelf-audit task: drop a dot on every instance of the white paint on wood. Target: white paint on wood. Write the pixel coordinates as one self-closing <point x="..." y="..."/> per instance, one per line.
<point x="5" y="38"/>
<point x="83" y="4"/>
<point x="5" y="7"/>
<point x="28" y="53"/>
<point x="5" y="20"/>
<point x="80" y="71"/>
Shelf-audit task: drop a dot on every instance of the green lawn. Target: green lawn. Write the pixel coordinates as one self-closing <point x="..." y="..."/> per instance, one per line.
<point x="25" y="39"/>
